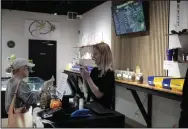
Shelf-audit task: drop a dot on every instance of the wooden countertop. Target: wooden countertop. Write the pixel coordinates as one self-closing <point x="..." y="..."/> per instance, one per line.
<point x="145" y="85"/>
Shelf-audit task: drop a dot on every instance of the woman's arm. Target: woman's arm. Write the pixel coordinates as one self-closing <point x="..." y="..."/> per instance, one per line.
<point x="28" y="96"/>
<point x="94" y="88"/>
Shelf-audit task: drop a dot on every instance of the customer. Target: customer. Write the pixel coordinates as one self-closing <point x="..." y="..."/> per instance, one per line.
<point x="183" y="122"/>
<point x="101" y="81"/>
<point x="20" y="70"/>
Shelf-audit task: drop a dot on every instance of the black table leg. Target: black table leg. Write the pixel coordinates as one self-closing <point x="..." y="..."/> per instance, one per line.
<point x="147" y="117"/>
<point x="149" y="111"/>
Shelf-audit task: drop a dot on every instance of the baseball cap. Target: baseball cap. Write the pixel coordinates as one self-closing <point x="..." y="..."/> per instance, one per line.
<point x="20" y="62"/>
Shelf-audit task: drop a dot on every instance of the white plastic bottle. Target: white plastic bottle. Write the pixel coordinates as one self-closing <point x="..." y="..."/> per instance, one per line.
<point x="81" y="104"/>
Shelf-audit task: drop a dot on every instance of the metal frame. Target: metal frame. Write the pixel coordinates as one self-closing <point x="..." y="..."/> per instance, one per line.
<point x="147" y="115"/>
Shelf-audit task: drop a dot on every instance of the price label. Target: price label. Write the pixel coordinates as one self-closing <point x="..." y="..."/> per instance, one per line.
<point x="168" y="65"/>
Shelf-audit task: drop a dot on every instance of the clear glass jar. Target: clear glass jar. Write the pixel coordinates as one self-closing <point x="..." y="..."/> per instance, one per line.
<point x="140" y="78"/>
<point x="129" y="76"/>
<point x="133" y="77"/>
<point x="119" y="74"/>
<point x="124" y="75"/>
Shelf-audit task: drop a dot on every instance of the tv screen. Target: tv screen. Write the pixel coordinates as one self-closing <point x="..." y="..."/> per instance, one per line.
<point x="129" y="17"/>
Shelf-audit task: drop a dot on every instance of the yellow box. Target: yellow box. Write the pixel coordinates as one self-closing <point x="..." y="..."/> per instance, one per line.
<point x="158" y="81"/>
<point x="177" y="84"/>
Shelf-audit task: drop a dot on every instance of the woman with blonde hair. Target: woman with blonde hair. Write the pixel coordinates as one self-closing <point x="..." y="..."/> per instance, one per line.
<point x="101" y="81"/>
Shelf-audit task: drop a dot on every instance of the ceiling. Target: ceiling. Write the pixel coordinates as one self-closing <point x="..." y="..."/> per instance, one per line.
<point x="51" y="7"/>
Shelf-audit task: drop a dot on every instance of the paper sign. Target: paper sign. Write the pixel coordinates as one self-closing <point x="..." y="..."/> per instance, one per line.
<point x="62" y="86"/>
<point x="59" y="95"/>
<point x="168" y="65"/>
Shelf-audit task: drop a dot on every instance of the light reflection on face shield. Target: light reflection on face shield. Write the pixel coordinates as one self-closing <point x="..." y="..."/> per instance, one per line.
<point x="30" y="70"/>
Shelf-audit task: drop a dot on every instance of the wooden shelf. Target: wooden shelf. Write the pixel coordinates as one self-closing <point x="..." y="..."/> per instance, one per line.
<point x="145" y="85"/>
<point x="176" y="62"/>
<point x="176" y="34"/>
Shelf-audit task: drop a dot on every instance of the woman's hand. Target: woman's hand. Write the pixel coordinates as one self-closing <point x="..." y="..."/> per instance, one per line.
<point x="84" y="73"/>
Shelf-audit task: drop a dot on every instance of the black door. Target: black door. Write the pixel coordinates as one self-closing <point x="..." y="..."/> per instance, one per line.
<point x="43" y="54"/>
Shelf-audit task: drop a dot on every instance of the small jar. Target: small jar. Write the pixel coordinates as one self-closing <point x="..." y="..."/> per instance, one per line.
<point x="127" y="76"/>
<point x="115" y="74"/>
<point x="133" y="77"/>
<point x="186" y="55"/>
<point x="119" y="74"/>
<point x="130" y="77"/>
<point x="124" y="75"/>
<point x="140" y="78"/>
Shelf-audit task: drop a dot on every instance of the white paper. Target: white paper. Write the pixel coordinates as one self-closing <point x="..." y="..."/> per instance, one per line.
<point x="168" y="65"/>
<point x="62" y="86"/>
<point x="59" y="95"/>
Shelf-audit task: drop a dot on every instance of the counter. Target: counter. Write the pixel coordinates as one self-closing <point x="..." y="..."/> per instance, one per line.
<point x="114" y="120"/>
<point x="133" y="87"/>
<point x="170" y="94"/>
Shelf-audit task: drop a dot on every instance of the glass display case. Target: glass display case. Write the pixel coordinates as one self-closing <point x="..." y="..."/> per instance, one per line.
<point x="35" y="83"/>
<point x="4" y="81"/>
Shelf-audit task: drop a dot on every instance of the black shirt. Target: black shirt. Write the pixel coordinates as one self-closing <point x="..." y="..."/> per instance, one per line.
<point x="184" y="104"/>
<point x="106" y="85"/>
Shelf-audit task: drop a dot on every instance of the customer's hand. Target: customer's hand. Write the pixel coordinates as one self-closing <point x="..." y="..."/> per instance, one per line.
<point x="84" y="73"/>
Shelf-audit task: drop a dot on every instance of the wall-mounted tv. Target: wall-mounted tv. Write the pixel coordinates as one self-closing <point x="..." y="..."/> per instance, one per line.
<point x="131" y="17"/>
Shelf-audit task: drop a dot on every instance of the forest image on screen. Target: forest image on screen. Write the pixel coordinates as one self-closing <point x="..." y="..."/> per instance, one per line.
<point x="129" y="18"/>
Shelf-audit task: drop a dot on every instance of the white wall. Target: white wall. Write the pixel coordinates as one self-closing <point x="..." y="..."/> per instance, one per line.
<point x="0" y="44"/>
<point x="13" y="23"/>
<point x="97" y="22"/>
<point x="178" y="69"/>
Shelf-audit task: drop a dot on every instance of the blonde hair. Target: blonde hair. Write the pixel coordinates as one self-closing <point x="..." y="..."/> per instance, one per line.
<point x="106" y="57"/>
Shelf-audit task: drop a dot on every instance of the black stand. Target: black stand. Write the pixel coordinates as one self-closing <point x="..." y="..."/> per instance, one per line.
<point x="147" y="116"/>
